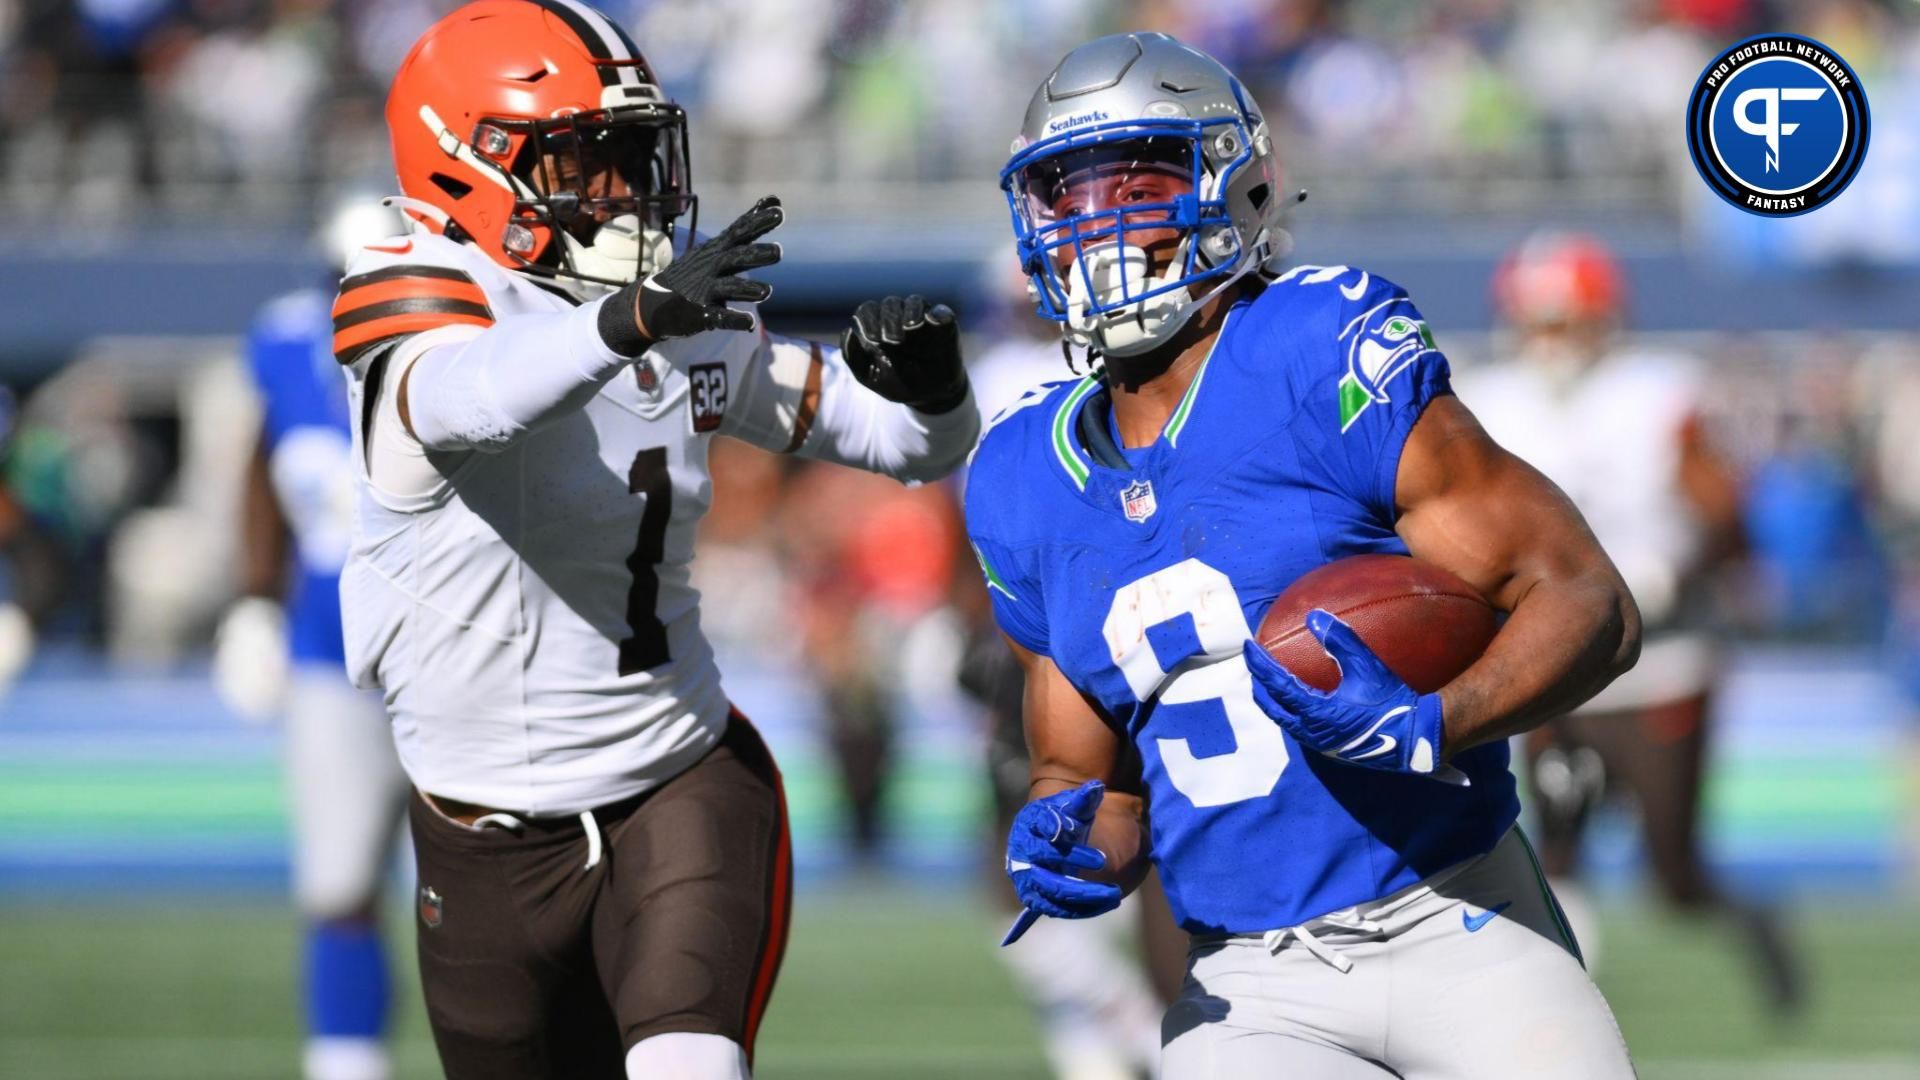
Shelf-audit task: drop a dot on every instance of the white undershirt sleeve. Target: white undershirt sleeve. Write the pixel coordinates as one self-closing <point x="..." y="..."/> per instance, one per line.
<point x="489" y="391"/>
<point x="799" y="397"/>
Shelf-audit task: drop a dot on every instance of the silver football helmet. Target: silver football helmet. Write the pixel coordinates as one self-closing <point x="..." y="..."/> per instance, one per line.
<point x="1138" y="149"/>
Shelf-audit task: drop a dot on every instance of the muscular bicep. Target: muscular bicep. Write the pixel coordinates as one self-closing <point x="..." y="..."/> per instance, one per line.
<point x="1068" y="741"/>
<point x="1470" y="506"/>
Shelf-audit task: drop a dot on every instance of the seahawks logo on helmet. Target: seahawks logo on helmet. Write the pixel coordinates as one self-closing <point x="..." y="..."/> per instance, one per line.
<point x="1380" y="345"/>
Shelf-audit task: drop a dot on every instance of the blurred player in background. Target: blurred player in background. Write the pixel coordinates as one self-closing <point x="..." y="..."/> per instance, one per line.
<point x="16" y="623"/>
<point x="1361" y="901"/>
<point x="535" y="374"/>
<point x="1619" y="429"/>
<point x="279" y="650"/>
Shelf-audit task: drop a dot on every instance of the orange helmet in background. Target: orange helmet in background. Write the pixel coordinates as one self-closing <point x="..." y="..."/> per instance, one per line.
<point x="535" y="130"/>
<point x="1559" y="277"/>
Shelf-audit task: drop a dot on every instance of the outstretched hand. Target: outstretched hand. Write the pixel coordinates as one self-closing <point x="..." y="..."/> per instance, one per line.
<point x="691" y="295"/>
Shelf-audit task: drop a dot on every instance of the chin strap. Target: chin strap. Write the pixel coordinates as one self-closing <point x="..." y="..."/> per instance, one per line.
<point x="412" y="210"/>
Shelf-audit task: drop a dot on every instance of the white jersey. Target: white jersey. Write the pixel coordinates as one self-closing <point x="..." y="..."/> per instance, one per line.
<point x="526" y="607"/>
<point x="1611" y="438"/>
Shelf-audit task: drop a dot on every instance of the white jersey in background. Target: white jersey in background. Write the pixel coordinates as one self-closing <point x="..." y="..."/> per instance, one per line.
<point x="1610" y="436"/>
<point x="521" y="590"/>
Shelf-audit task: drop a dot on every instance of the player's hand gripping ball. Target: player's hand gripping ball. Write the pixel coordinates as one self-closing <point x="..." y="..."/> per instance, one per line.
<point x="907" y="352"/>
<point x="1048" y="843"/>
<point x="1372" y="719"/>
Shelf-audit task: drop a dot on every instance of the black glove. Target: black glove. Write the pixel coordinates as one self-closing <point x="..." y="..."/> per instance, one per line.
<point x="906" y="352"/>
<point x="690" y="296"/>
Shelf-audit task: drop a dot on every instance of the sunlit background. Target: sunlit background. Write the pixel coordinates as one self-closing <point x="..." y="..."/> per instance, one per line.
<point x="162" y="167"/>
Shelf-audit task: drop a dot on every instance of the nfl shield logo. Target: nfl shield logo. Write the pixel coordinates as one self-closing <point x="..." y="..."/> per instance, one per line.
<point x="646" y="376"/>
<point x="429" y="907"/>
<point x="1137" y="500"/>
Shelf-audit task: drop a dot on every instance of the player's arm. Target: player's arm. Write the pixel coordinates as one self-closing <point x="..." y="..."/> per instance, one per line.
<point x="250" y="644"/>
<point x="1712" y="488"/>
<point x="263" y="529"/>
<point x="1409" y="452"/>
<point x="892" y="399"/>
<point x="1069" y="744"/>
<point x="1479" y="511"/>
<point x="490" y="389"/>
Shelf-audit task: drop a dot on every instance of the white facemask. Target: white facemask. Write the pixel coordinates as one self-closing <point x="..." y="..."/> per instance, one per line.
<point x="622" y="250"/>
<point x="1119" y="270"/>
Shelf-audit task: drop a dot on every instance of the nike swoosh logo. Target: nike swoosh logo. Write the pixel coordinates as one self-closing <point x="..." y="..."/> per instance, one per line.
<point x="1475" y="922"/>
<point x="396" y="249"/>
<point x="1355" y="292"/>
<point x="1387" y="742"/>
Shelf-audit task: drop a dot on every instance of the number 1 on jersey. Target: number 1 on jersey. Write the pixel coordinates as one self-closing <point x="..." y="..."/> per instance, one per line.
<point x="647" y="648"/>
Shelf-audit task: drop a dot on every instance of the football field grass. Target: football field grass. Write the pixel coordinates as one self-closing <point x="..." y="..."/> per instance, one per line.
<point x="882" y="982"/>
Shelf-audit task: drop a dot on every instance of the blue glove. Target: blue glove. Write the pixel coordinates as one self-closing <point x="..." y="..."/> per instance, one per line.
<point x="1372" y="719"/>
<point x="1047" y="843"/>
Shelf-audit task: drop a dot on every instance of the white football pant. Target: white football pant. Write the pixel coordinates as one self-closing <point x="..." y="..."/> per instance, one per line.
<point x="1090" y="994"/>
<point x="346" y="790"/>
<point x="1469" y="975"/>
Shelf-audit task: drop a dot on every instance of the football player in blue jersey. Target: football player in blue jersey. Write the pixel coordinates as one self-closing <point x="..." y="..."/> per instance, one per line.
<point x="279" y="651"/>
<point x="1360" y="901"/>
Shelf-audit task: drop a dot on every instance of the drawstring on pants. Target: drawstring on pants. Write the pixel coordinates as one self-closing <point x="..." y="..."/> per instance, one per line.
<point x="592" y="828"/>
<point x="1348" y="920"/>
<point x="588" y="823"/>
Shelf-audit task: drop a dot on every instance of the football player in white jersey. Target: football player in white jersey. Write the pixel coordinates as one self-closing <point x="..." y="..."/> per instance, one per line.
<point x="1617" y="426"/>
<point x="535" y="373"/>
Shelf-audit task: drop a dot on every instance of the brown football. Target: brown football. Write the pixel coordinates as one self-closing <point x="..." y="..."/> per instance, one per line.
<point x="1423" y="622"/>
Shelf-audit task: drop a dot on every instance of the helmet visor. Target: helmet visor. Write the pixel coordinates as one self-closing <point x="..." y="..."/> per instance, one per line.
<point x="1136" y="182"/>
<point x="592" y="167"/>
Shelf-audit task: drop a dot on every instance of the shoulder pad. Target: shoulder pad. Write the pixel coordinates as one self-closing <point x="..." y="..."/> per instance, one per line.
<point x="403" y="298"/>
<point x="1353" y="283"/>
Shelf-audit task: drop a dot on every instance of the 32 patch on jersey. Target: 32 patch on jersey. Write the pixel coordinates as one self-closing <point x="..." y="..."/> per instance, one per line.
<point x="707" y="386"/>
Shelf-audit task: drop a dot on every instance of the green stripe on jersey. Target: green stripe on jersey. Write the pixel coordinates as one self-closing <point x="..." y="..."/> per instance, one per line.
<point x="994" y="580"/>
<point x="1062" y="433"/>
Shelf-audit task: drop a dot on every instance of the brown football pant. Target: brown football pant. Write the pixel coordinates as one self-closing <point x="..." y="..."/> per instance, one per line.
<point x="536" y="966"/>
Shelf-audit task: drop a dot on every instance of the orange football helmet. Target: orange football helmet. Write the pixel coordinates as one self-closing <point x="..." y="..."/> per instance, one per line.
<point x="537" y="131"/>
<point x="1559" y="277"/>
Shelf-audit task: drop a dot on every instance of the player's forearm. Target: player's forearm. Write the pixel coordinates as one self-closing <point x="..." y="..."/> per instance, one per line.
<point x="492" y="390"/>
<point x="1566" y="639"/>
<point x="860" y="428"/>
<point x="1121" y="836"/>
<point x="263" y="531"/>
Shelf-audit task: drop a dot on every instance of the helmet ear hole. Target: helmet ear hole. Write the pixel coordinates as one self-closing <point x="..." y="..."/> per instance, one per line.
<point x="458" y="189"/>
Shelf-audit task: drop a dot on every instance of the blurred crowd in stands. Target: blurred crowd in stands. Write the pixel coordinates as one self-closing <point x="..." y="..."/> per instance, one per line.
<point x="116" y="106"/>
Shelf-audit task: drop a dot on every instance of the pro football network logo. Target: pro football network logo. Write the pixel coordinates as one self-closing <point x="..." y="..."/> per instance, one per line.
<point x="1777" y="125"/>
<point x="1137" y="500"/>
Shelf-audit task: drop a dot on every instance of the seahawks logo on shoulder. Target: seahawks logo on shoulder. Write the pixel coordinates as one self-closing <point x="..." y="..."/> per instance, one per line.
<point x="1380" y="343"/>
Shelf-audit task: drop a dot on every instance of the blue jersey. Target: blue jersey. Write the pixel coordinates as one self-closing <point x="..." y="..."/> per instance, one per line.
<point x="310" y="459"/>
<point x="1141" y="572"/>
